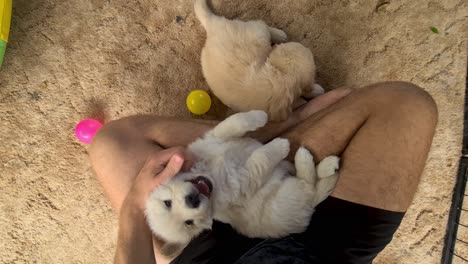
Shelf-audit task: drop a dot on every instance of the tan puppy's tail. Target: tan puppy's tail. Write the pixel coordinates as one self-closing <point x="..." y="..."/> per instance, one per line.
<point x="203" y="12"/>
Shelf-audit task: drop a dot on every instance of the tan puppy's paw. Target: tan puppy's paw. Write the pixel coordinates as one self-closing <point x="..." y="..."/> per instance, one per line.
<point x="317" y="90"/>
<point x="312" y="91"/>
<point x="277" y="35"/>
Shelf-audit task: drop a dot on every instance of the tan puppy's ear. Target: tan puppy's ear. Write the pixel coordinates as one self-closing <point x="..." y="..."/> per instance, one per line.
<point x="168" y="249"/>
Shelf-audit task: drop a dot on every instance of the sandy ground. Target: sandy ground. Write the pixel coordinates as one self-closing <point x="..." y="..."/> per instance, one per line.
<point x="71" y="59"/>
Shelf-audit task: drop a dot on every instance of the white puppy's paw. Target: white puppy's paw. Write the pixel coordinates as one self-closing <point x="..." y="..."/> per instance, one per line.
<point x="303" y="156"/>
<point x="305" y="167"/>
<point x="280" y="146"/>
<point x="325" y="186"/>
<point x="254" y="119"/>
<point x="239" y="124"/>
<point x="328" y="166"/>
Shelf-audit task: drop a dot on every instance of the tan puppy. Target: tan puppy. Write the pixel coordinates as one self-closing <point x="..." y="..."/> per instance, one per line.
<point x="247" y="73"/>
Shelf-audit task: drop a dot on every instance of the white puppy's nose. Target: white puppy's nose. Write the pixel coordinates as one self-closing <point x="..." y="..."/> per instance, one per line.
<point x="192" y="200"/>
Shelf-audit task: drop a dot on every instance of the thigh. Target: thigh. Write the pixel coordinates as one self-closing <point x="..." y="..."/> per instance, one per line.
<point x="117" y="154"/>
<point x="383" y="134"/>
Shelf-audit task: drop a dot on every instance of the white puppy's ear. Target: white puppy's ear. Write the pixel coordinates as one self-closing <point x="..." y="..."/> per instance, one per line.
<point x="168" y="249"/>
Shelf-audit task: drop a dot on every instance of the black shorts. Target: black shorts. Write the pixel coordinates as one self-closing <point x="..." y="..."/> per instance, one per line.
<point x="339" y="232"/>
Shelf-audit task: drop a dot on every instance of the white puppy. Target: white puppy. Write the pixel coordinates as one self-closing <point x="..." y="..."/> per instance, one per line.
<point x="241" y="182"/>
<point x="246" y="73"/>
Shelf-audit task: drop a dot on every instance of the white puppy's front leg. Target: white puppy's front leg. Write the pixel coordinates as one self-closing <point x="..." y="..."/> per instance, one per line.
<point x="239" y="124"/>
<point x="328" y="166"/>
<point x="263" y="160"/>
<point x="327" y="171"/>
<point x="305" y="167"/>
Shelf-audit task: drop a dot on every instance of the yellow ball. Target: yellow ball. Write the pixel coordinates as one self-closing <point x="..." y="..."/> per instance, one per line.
<point x="198" y="102"/>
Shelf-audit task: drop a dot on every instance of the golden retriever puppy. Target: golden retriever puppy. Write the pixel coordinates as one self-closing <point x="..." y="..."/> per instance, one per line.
<point x="241" y="182"/>
<point x="247" y="73"/>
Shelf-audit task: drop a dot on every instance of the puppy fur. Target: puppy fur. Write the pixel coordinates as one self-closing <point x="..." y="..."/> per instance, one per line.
<point x="253" y="188"/>
<point x="247" y="73"/>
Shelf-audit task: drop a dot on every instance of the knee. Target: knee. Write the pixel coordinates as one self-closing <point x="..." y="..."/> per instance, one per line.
<point x="113" y="137"/>
<point x="406" y="99"/>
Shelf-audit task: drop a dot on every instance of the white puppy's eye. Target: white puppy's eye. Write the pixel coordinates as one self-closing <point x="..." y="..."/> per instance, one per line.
<point x="168" y="203"/>
<point x="189" y="222"/>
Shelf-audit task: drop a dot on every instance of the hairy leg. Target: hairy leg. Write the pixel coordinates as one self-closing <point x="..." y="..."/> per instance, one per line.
<point x="383" y="133"/>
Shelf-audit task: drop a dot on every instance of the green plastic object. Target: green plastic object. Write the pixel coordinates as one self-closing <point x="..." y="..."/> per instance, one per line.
<point x="5" y="20"/>
<point x="3" y="45"/>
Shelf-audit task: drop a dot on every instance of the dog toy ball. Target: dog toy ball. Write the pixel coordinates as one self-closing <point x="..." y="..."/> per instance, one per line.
<point x="5" y="20"/>
<point x="86" y="129"/>
<point x="198" y="102"/>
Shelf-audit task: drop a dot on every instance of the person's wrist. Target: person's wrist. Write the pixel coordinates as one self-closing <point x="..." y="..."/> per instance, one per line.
<point x="134" y="202"/>
<point x="131" y="215"/>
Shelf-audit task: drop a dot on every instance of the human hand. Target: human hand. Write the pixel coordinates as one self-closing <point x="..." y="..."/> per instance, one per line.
<point x="135" y="242"/>
<point x="158" y="169"/>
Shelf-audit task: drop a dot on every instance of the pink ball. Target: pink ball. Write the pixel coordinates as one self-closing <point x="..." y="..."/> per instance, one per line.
<point x="86" y="129"/>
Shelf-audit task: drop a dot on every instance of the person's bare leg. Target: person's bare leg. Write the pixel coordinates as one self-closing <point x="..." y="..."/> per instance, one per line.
<point x="383" y="133"/>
